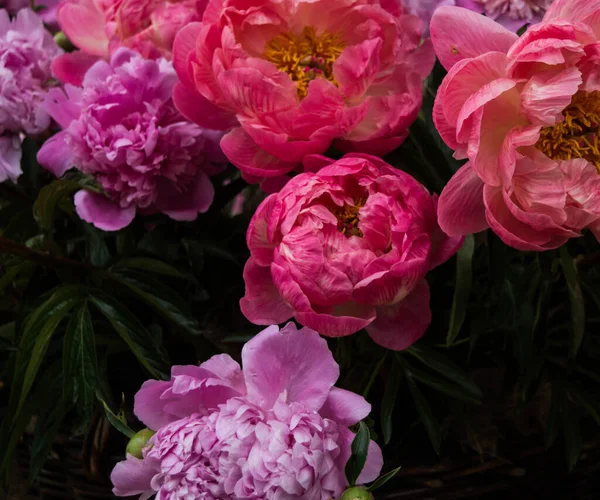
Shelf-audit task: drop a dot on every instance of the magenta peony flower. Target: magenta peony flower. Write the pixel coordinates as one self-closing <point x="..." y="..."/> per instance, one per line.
<point x="526" y="113"/>
<point x="346" y="248"/>
<point x="512" y="14"/>
<point x="289" y="79"/>
<point x="26" y="52"/>
<point x="99" y="28"/>
<point x="279" y="429"/>
<point x="121" y="128"/>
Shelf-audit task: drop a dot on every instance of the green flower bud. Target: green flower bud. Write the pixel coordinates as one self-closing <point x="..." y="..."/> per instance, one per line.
<point x="138" y="441"/>
<point x="356" y="493"/>
<point x="62" y="41"/>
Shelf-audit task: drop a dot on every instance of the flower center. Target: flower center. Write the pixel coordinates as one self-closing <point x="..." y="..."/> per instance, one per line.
<point x="515" y="9"/>
<point x="305" y="57"/>
<point x="347" y="216"/>
<point x="577" y="135"/>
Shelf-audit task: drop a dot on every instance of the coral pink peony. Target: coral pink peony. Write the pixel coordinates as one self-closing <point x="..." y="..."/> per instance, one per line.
<point x="99" y="27"/>
<point x="279" y="429"/>
<point x="346" y="248"/>
<point x="525" y="112"/>
<point x="292" y="78"/>
<point x="121" y="128"/>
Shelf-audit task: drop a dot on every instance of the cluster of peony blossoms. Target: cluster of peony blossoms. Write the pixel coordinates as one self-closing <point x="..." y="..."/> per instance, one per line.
<point x="26" y="54"/>
<point x="99" y="28"/>
<point x="343" y="246"/>
<point x="278" y="429"/>
<point x="525" y="112"/>
<point x="122" y="128"/>
<point x="290" y="79"/>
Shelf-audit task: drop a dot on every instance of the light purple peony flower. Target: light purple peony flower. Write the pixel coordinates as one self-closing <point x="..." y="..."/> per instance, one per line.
<point x="47" y="9"/>
<point x="277" y="430"/>
<point x="121" y="128"/>
<point x="512" y="14"/>
<point x="26" y="53"/>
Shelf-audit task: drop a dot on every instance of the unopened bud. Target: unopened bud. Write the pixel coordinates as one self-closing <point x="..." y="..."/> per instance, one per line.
<point x="62" y="41"/>
<point x="138" y="442"/>
<point x="356" y="493"/>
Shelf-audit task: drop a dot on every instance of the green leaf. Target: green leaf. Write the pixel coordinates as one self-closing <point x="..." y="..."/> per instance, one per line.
<point x="50" y="196"/>
<point x="161" y="298"/>
<point x="381" y="480"/>
<point x="441" y="364"/>
<point x="360" y="448"/>
<point x="154" y="266"/>
<point x="573" y="441"/>
<point x="150" y="354"/>
<point x="462" y="289"/>
<point x="80" y="365"/>
<point x="97" y="250"/>
<point x="117" y="421"/>
<point x="576" y="300"/>
<point x="429" y="421"/>
<point x="388" y="402"/>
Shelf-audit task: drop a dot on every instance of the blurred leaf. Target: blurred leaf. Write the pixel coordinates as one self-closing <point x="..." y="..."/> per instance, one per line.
<point x="150" y="354"/>
<point x="44" y="208"/>
<point x="462" y="289"/>
<point x="152" y="266"/>
<point x="388" y="402"/>
<point x="573" y="441"/>
<point x="97" y="250"/>
<point x="576" y="300"/>
<point x="360" y="449"/>
<point x="429" y="421"/>
<point x="381" y="480"/>
<point x="117" y="421"/>
<point x="162" y="298"/>
<point x="80" y="365"/>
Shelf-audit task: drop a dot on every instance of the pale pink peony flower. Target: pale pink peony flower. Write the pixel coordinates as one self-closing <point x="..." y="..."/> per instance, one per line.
<point x="99" y="27"/>
<point x="289" y="79"/>
<point x="26" y="52"/>
<point x="279" y="429"/>
<point x="526" y="113"/>
<point x="121" y="128"/>
<point x="345" y="248"/>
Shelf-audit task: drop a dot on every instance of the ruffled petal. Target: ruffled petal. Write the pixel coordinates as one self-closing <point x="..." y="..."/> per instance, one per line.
<point x="101" y="212"/>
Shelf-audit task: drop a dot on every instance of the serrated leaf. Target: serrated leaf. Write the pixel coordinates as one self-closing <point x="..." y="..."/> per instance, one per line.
<point x="150" y="354"/>
<point x="462" y="290"/>
<point x="437" y="361"/>
<point x="44" y="208"/>
<point x="117" y="422"/>
<point x="360" y="449"/>
<point x="429" y="421"/>
<point x="80" y="365"/>
<point x="162" y="298"/>
<point x="388" y="402"/>
<point x="576" y="300"/>
<point x="381" y="480"/>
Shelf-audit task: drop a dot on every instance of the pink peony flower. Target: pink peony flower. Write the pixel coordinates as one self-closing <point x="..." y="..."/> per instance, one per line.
<point x="289" y="79"/>
<point x="121" y="128"/>
<point x="512" y="14"/>
<point x="47" y="9"/>
<point x="279" y="429"/>
<point x="26" y="52"/>
<point x="100" y="27"/>
<point x="525" y="113"/>
<point x="346" y="248"/>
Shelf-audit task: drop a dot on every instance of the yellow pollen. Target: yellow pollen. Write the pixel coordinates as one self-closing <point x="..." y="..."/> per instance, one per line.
<point x="347" y="216"/>
<point x="577" y="135"/>
<point x="305" y="57"/>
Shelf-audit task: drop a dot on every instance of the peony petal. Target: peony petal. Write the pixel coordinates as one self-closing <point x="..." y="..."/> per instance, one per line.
<point x="84" y="25"/>
<point x="350" y="319"/>
<point x="55" y="155"/>
<point x="61" y="105"/>
<point x="10" y="158"/>
<point x="263" y="304"/>
<point x="257" y="237"/>
<point x="458" y="33"/>
<point x="400" y="325"/>
<point x="183" y="47"/>
<point x="345" y="407"/>
<point x="356" y="68"/>
<point x="290" y="362"/>
<point x="149" y="408"/>
<point x="228" y="370"/>
<point x="101" y="212"/>
<point x="186" y="205"/>
<point x="373" y="465"/>
<point x="71" y="67"/>
<point x="460" y="208"/>
<point x="196" y="108"/>
<point x="133" y="477"/>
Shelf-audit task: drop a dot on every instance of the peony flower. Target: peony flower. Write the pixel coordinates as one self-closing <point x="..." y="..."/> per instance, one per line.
<point x="512" y="14"/>
<point x="279" y="429"/>
<point x="289" y="79"/>
<point x="121" y="128"/>
<point x="26" y="52"/>
<point x="99" y="28"/>
<point x="47" y="9"/>
<point x="525" y="113"/>
<point x="346" y="248"/>
<point x="424" y="9"/>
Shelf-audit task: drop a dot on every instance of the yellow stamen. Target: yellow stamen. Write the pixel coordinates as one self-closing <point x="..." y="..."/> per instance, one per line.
<point x="577" y="135"/>
<point x="347" y="216"/>
<point x="305" y="57"/>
